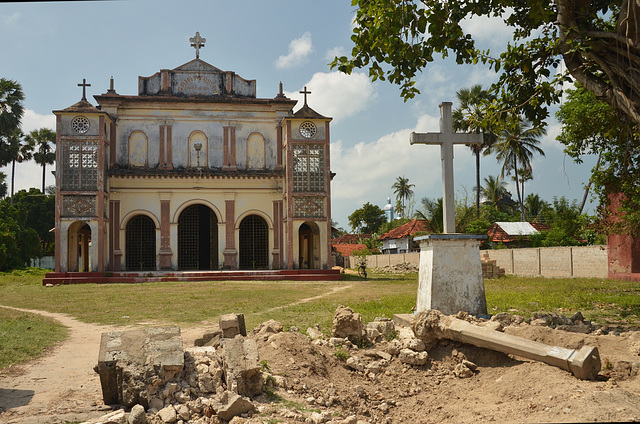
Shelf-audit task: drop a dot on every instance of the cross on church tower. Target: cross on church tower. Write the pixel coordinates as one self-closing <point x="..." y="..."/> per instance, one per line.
<point x="305" y="92"/>
<point x="197" y="42"/>
<point x="446" y="138"/>
<point x="84" y="86"/>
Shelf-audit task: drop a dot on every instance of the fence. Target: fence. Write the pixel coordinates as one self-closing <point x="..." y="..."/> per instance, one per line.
<point x="567" y="261"/>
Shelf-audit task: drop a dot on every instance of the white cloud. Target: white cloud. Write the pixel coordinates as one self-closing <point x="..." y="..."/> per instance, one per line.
<point x="490" y="30"/>
<point x="337" y="95"/>
<point x="299" y="50"/>
<point x="33" y="121"/>
<point x="11" y="19"/>
<point x="366" y="171"/>
<point x="29" y="174"/>
<point x="335" y="52"/>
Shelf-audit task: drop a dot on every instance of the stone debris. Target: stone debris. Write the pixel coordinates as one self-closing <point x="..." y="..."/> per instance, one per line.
<point x="222" y="381"/>
<point x="347" y="324"/>
<point x="401" y="268"/>
<point x="232" y="325"/>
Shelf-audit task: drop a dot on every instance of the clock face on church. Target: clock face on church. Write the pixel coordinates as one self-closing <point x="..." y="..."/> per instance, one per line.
<point x="308" y="129"/>
<point x="80" y="124"/>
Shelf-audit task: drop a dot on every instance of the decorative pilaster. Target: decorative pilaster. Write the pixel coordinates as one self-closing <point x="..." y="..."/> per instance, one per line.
<point x="230" y="252"/>
<point x="165" y="252"/>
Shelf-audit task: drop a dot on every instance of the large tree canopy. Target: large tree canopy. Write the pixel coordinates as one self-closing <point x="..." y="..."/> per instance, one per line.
<point x="598" y="41"/>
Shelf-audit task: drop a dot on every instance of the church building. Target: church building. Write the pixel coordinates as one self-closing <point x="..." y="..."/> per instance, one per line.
<point x="192" y="173"/>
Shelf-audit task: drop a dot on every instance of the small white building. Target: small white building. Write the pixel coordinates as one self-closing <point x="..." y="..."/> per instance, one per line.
<point x="400" y="240"/>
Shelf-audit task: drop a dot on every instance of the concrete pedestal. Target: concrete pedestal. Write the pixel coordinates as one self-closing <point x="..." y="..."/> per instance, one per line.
<point x="450" y="278"/>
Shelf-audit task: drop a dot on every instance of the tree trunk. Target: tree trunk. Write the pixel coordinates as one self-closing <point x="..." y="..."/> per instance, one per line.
<point x="13" y="179"/>
<point x="477" y="152"/>
<point x="586" y="190"/>
<point x="44" y="166"/>
<point x="515" y="172"/>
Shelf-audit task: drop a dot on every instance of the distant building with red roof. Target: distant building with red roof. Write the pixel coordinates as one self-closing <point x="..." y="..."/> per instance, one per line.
<point x="515" y="233"/>
<point x="400" y="240"/>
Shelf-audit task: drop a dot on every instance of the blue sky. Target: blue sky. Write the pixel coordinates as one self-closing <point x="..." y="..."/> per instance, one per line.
<point x="50" y="47"/>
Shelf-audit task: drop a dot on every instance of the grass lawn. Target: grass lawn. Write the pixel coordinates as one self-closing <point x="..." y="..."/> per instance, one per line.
<point x="188" y="304"/>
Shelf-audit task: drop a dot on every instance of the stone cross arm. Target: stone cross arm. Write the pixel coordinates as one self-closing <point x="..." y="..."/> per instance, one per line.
<point x="446" y="138"/>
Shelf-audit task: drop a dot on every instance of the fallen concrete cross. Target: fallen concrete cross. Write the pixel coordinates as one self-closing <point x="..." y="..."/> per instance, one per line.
<point x="432" y="325"/>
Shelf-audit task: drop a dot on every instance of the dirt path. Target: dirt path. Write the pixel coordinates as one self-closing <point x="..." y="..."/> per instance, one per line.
<point x="60" y="387"/>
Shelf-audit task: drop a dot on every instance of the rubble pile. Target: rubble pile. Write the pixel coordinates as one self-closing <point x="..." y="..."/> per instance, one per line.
<point x="401" y="268"/>
<point x="355" y="374"/>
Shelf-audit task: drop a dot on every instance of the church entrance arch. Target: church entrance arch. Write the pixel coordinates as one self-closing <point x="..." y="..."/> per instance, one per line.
<point x="197" y="239"/>
<point x="79" y="256"/>
<point x="309" y="245"/>
<point x="254" y="243"/>
<point x="140" y="244"/>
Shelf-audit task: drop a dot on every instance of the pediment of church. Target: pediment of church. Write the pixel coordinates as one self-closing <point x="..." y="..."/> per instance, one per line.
<point x="196" y="78"/>
<point x="198" y="65"/>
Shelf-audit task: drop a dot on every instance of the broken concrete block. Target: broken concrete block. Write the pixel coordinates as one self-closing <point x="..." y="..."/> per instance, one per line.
<point x="236" y="405"/>
<point x="210" y="338"/>
<point x="408" y="356"/>
<point x="347" y="324"/>
<point x="137" y="415"/>
<point x="127" y="359"/>
<point x="168" y="414"/>
<point x="241" y="366"/>
<point x="231" y="325"/>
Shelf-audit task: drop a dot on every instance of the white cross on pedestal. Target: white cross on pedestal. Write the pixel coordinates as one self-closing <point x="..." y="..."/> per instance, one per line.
<point x="446" y="138"/>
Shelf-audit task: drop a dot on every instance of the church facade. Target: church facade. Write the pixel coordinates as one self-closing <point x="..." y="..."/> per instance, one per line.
<point x="193" y="173"/>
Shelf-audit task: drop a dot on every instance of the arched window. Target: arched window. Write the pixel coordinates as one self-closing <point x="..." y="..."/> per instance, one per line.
<point x="138" y="149"/>
<point x="255" y="152"/>
<point x="198" y="155"/>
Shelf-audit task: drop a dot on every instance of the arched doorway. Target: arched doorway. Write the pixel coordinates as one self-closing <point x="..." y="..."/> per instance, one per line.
<point x="309" y="246"/>
<point x="140" y="244"/>
<point x="254" y="243"/>
<point x="197" y="239"/>
<point x="78" y="252"/>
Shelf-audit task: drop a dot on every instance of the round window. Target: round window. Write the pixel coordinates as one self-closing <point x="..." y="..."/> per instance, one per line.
<point x="80" y="124"/>
<point x="308" y="129"/>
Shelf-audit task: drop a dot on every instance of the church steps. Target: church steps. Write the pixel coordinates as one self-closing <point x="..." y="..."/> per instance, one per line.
<point x="57" y="278"/>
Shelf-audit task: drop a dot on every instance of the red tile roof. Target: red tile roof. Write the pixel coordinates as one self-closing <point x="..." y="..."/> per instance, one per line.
<point x="497" y="234"/>
<point x="350" y="238"/>
<point x="347" y="249"/>
<point x="405" y="230"/>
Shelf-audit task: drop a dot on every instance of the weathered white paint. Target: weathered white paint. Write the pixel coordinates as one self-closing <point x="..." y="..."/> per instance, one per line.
<point x="450" y="278"/>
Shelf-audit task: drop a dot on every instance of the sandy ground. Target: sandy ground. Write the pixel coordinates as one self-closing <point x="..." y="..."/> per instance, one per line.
<point x="62" y="386"/>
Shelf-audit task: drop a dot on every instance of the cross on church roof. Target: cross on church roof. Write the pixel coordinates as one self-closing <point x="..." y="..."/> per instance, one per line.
<point x="197" y="42"/>
<point x="305" y="92"/>
<point x="84" y="86"/>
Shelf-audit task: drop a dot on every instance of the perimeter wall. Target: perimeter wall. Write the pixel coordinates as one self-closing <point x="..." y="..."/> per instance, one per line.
<point x="569" y="261"/>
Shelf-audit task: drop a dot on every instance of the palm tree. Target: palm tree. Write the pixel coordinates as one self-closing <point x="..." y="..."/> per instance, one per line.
<point x="468" y="117"/>
<point x="432" y="211"/>
<point x="495" y="193"/>
<point x="517" y="143"/>
<point x="19" y="150"/>
<point x="402" y="190"/>
<point x="11" y="109"/>
<point x="535" y="206"/>
<point x="43" y="140"/>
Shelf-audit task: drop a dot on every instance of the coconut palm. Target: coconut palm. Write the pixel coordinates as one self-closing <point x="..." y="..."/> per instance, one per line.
<point x="468" y="117"/>
<point x="495" y="193"/>
<point x="18" y="150"/>
<point x="43" y="141"/>
<point x="432" y="211"/>
<point x="535" y="207"/>
<point x="402" y="190"/>
<point x="516" y="144"/>
<point x="11" y="109"/>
